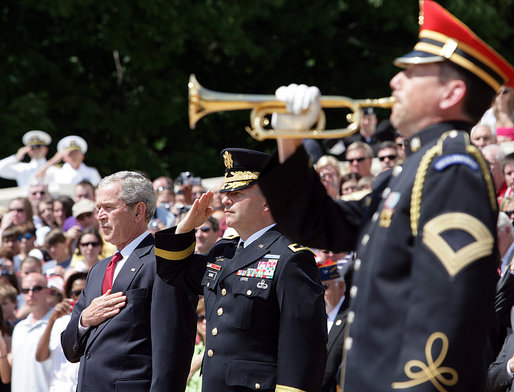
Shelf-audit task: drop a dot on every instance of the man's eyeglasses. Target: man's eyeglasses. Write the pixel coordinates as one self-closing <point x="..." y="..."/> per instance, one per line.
<point x="204" y="229"/>
<point x="361" y="159"/>
<point x="390" y="157"/>
<point x="35" y="289"/>
<point x="36" y="193"/>
<point x="509" y="213"/>
<point x="88" y="244"/>
<point x="26" y="236"/>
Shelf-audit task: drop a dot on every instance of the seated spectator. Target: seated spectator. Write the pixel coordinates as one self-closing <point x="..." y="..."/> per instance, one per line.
<point x="10" y="240"/>
<point x="90" y="245"/>
<point x="500" y="117"/>
<point x="507" y="206"/>
<point x="56" y="245"/>
<point x="45" y="211"/>
<point x="207" y="235"/>
<point x="84" y="190"/>
<point x="508" y="174"/>
<point x="71" y="150"/>
<point x="28" y="265"/>
<point x="360" y="157"/>
<point x="505" y="233"/>
<point x="26" y="243"/>
<point x="6" y="259"/>
<point x="35" y="145"/>
<point x="20" y="211"/>
<point x="9" y="303"/>
<point x="494" y="156"/>
<point x="329" y="172"/>
<point x="387" y="155"/>
<point x="27" y="373"/>
<point x="5" y="354"/>
<point x="399" y="140"/>
<point x="74" y="285"/>
<point x="163" y="182"/>
<point x="165" y="197"/>
<point x="482" y="135"/>
<point x="365" y="183"/>
<point x="349" y="183"/>
<point x="194" y="380"/>
<point x="37" y="191"/>
<point x="197" y="191"/>
<point x="84" y="214"/>
<point x="63" y="211"/>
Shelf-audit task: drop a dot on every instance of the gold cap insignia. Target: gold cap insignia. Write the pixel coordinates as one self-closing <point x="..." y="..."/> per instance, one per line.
<point x="227" y="159"/>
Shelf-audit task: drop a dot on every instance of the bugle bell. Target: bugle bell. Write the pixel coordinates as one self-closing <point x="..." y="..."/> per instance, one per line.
<point x="203" y="101"/>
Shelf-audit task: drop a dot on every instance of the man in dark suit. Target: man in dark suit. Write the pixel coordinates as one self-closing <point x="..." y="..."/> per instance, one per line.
<point x="266" y="322"/>
<point x="124" y="329"/>
<point x="335" y="274"/>
<point x="501" y="371"/>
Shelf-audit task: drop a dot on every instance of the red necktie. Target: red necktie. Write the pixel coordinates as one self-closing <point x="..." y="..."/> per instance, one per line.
<point x="109" y="272"/>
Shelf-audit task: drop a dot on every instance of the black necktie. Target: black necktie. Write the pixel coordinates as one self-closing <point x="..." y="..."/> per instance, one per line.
<point x="240" y="247"/>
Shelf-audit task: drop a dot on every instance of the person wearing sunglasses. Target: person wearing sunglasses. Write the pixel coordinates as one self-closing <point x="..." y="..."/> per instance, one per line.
<point x="387" y="155"/>
<point x="206" y="235"/>
<point x="90" y="246"/>
<point x="27" y="373"/>
<point x="359" y="156"/>
<point x="35" y="146"/>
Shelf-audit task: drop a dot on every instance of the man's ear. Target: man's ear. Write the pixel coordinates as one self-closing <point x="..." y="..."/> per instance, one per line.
<point x="140" y="209"/>
<point x="453" y="94"/>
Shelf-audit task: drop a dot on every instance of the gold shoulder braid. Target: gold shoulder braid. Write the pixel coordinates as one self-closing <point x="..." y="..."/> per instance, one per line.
<point x="297" y="248"/>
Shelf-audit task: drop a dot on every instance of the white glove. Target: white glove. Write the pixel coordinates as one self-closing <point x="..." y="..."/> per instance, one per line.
<point x="297" y="99"/>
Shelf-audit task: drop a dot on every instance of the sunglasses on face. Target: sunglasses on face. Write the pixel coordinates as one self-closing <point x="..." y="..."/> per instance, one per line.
<point x="390" y="157"/>
<point x="76" y="293"/>
<point x="361" y="159"/>
<point x="201" y="317"/>
<point x="88" y="244"/>
<point x="509" y="213"/>
<point x="204" y="229"/>
<point x="26" y="236"/>
<point x="35" y="289"/>
<point x="36" y="147"/>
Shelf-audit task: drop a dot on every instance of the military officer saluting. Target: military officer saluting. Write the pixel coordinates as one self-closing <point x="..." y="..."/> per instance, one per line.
<point x="35" y="145"/>
<point x="266" y="322"/>
<point x="421" y="307"/>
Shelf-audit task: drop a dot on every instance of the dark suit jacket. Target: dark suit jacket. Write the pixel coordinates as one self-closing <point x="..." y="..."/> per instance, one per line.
<point x="146" y="346"/>
<point x="498" y="380"/>
<point x="335" y="349"/>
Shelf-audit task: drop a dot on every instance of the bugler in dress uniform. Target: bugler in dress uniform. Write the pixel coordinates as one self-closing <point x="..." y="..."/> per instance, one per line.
<point x="266" y="325"/>
<point x="424" y="285"/>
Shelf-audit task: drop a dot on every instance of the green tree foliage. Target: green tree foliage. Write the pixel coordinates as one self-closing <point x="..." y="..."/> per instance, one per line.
<point x="116" y="72"/>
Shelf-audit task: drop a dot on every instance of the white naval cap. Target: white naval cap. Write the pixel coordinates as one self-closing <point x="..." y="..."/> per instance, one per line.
<point x="36" y="138"/>
<point x="72" y="143"/>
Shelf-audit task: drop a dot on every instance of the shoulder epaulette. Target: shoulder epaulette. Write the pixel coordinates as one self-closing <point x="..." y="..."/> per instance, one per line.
<point x="462" y="146"/>
<point x="231" y="237"/>
<point x="297" y="248"/>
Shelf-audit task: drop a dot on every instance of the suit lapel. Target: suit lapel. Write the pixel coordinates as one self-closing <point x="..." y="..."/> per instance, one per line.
<point x="252" y="252"/>
<point x="337" y="328"/>
<point x="124" y="278"/>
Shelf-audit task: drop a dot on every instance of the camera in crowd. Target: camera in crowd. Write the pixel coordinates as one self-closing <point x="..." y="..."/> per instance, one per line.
<point x="186" y="178"/>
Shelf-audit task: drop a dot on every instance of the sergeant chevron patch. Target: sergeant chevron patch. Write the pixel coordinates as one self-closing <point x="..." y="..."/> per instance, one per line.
<point x="455" y="261"/>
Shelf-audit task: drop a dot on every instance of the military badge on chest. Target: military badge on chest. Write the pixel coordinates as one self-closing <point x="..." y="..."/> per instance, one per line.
<point x="265" y="268"/>
<point x="388" y="209"/>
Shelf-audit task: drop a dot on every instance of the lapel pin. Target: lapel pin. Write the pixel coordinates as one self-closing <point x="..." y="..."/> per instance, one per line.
<point x="261" y="246"/>
<point x="132" y="269"/>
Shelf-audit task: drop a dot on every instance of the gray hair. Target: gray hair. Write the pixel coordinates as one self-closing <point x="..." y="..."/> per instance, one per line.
<point x="135" y="188"/>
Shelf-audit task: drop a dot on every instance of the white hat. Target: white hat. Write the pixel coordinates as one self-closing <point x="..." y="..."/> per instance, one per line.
<point x="83" y="206"/>
<point x="72" y="143"/>
<point x="36" y="138"/>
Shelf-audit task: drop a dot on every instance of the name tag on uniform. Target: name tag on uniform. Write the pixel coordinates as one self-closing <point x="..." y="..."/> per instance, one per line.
<point x="212" y="270"/>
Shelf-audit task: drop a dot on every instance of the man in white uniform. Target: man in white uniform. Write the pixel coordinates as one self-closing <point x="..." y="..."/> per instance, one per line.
<point x="35" y="145"/>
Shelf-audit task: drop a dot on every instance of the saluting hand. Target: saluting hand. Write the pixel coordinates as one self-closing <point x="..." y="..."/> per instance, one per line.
<point x="199" y="212"/>
<point x="102" y="308"/>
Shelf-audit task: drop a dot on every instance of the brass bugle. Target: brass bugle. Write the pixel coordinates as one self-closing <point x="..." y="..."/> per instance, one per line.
<point x="203" y="101"/>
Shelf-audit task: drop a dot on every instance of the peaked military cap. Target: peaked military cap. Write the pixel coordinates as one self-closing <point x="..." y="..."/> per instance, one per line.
<point x="443" y="37"/>
<point x="36" y="138"/>
<point x="72" y="143"/>
<point x="242" y="168"/>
